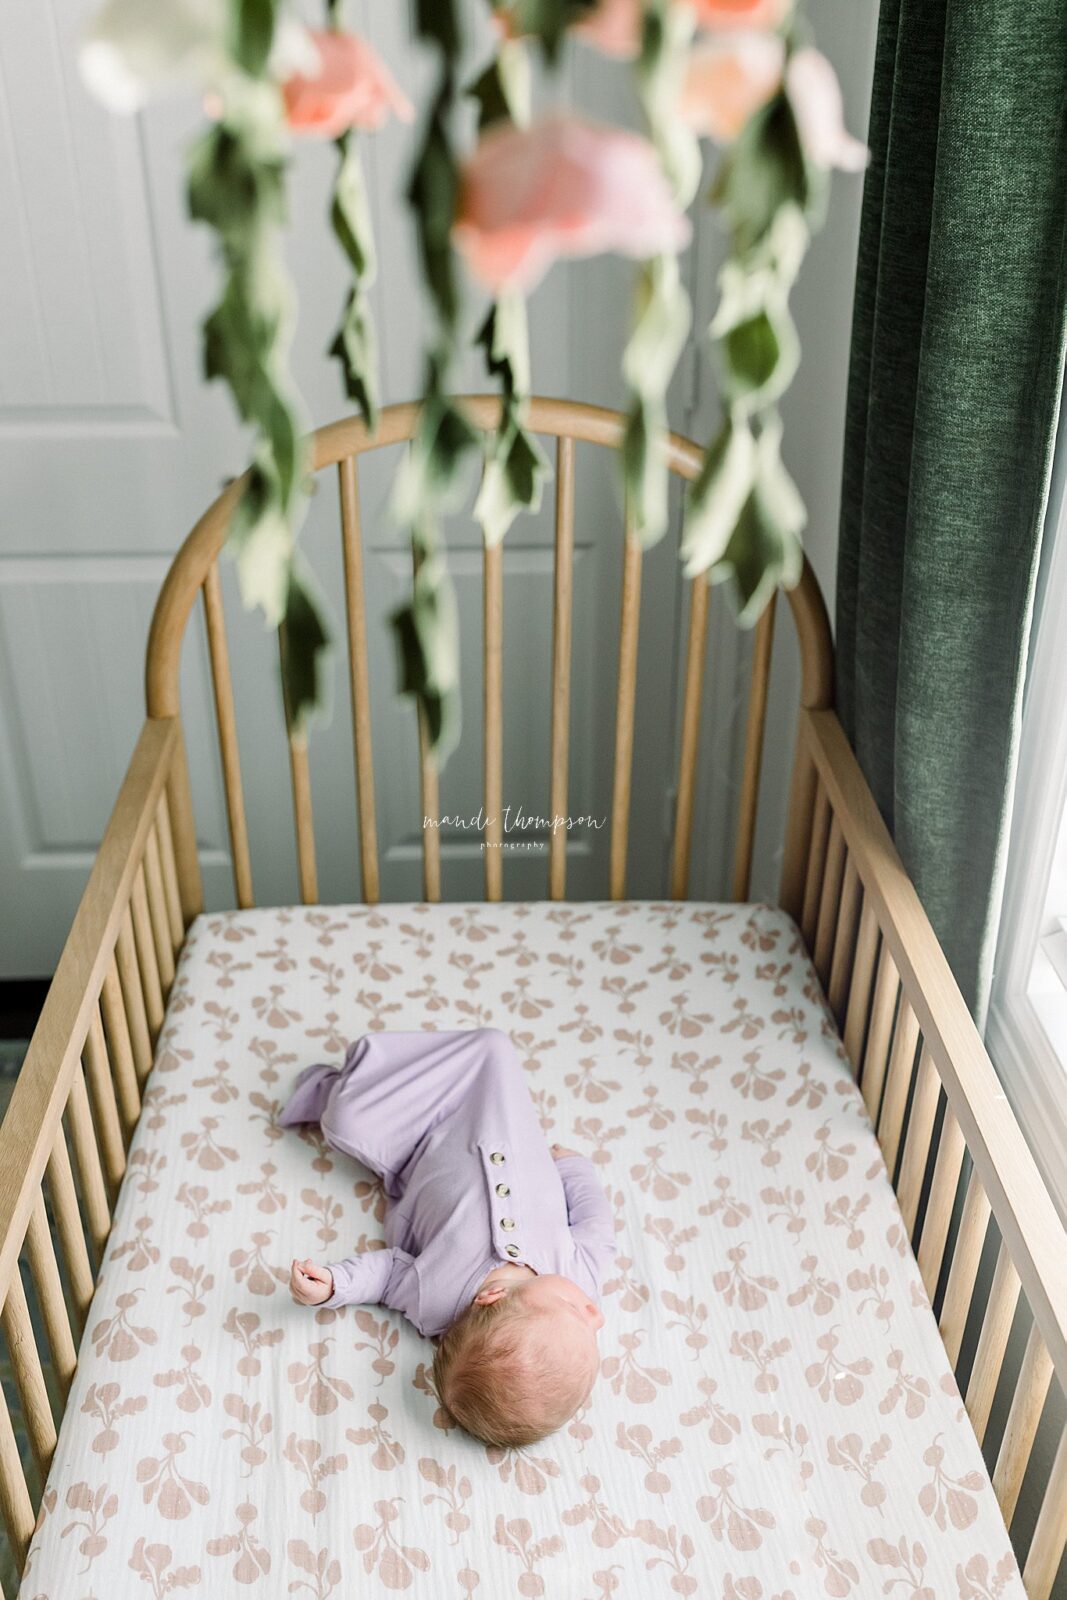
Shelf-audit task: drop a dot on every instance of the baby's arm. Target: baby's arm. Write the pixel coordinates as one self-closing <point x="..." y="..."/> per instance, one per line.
<point x="362" y="1279"/>
<point x="589" y="1213"/>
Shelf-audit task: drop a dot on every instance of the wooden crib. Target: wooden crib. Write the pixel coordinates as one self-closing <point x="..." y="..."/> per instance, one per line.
<point x="960" y="1166"/>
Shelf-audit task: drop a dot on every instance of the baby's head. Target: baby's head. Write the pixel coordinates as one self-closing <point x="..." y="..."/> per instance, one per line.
<point x="520" y="1360"/>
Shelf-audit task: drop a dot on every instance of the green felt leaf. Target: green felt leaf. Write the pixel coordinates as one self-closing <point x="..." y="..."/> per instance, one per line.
<point x="251" y="29"/>
<point x="356" y="348"/>
<point x="764" y="170"/>
<point x="230" y="190"/>
<point x="438" y="22"/>
<point x="305" y="651"/>
<point x="433" y="193"/>
<point x="764" y="549"/>
<point x="426" y="633"/>
<point x="355" y="345"/>
<point x="645" y="473"/>
<point x="512" y="480"/>
<point x="717" y="496"/>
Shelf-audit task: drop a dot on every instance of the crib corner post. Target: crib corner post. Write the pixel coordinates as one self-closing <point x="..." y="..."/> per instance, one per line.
<point x="183" y="827"/>
<point x="798" y="823"/>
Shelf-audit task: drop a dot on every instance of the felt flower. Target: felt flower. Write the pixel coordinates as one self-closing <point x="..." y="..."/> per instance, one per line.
<point x="136" y="50"/>
<point x="815" y="96"/>
<point x="563" y="187"/>
<point x="727" y="80"/>
<point x="352" y="88"/>
<point x="734" y="14"/>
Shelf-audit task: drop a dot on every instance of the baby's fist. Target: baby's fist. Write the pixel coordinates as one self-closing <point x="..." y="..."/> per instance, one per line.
<point x="560" y="1150"/>
<point x="310" y="1285"/>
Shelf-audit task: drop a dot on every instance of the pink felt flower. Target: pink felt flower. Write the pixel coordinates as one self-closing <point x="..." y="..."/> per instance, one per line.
<point x="563" y="187"/>
<point x="734" y="14"/>
<point x="815" y="95"/>
<point x="354" y="89"/>
<point x="727" y="80"/>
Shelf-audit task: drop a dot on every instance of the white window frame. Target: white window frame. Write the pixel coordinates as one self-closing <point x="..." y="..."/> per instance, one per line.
<point x="1032" y="1070"/>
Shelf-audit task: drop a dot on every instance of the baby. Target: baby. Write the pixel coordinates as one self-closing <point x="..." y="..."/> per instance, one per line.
<point x="495" y="1244"/>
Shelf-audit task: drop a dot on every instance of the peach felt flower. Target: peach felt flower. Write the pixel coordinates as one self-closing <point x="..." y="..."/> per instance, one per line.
<point x="815" y="95"/>
<point x="562" y="187"/>
<point x="353" y="89"/>
<point x="727" y="80"/>
<point x="731" y="15"/>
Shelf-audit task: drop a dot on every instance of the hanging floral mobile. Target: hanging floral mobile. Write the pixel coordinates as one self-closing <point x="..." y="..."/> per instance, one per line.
<point x="531" y="191"/>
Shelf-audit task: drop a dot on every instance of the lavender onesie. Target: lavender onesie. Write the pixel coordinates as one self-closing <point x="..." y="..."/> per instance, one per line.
<point x="447" y="1122"/>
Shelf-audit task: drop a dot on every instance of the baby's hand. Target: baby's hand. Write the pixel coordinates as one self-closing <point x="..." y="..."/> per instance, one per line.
<point x="559" y="1150"/>
<point x="310" y="1285"/>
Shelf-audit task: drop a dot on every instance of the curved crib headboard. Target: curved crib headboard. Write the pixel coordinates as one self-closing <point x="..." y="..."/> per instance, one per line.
<point x="195" y="570"/>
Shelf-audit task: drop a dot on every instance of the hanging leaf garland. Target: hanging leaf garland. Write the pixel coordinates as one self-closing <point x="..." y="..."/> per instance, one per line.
<point x="429" y="483"/>
<point x="236" y="185"/>
<point x="745" y="516"/>
<point x="663" y="313"/>
<point x="515" y="466"/>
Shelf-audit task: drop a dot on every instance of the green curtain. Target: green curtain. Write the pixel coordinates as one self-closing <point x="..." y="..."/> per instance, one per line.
<point x="954" y="386"/>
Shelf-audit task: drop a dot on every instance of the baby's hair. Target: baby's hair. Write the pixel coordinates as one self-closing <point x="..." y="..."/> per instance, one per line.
<point x="502" y="1388"/>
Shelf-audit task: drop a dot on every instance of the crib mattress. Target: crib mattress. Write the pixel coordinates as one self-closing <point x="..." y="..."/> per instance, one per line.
<point x="775" y="1417"/>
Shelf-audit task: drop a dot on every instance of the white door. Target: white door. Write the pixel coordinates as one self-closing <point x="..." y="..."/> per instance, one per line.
<point x="111" y="445"/>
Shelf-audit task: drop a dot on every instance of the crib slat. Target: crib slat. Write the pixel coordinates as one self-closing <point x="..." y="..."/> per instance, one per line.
<point x="29" y="1378"/>
<point x="859" y="989"/>
<point x="133" y="998"/>
<point x="966" y="1256"/>
<point x="829" y="901"/>
<point x="121" y="1050"/>
<point x="359" y="677"/>
<point x="625" y="697"/>
<point x="90" y="1171"/>
<point x="226" y="722"/>
<point x="898" y="1082"/>
<point x="562" y="618"/>
<point x="1050" y="1533"/>
<point x="170" y="874"/>
<point x="992" y="1343"/>
<point x="14" y="1495"/>
<point x="146" y="955"/>
<point x="105" y="1108"/>
<point x="844" y="947"/>
<point x="69" y="1227"/>
<point x="762" y="651"/>
<point x="695" y="651"/>
<point x="49" y="1286"/>
<point x="943" y="1187"/>
<point x="820" y="835"/>
<point x="157" y="911"/>
<point x="917" y="1142"/>
<point x="1020" y="1431"/>
<point x="493" y="632"/>
<point x="879" y="1032"/>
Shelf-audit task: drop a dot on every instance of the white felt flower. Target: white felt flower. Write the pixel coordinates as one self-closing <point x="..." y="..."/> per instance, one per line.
<point x="136" y="50"/>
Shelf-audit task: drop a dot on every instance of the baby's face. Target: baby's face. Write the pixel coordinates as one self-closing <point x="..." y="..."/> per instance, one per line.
<point x="575" y="1318"/>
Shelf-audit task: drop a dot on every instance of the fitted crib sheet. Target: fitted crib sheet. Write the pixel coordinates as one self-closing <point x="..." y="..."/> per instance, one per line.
<point x="775" y="1417"/>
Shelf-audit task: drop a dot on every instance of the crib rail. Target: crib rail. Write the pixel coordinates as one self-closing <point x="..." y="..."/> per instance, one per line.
<point x="64" y="1138"/>
<point x="969" y="1190"/>
<point x="195" y="573"/>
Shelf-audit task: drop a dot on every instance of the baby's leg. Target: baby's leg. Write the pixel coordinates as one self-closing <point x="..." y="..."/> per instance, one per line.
<point x="310" y="1094"/>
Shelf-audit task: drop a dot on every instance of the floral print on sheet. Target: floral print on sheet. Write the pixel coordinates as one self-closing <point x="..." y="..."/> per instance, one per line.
<point x="775" y="1417"/>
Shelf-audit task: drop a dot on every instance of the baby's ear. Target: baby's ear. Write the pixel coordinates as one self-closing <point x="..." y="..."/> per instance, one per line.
<point x="486" y="1297"/>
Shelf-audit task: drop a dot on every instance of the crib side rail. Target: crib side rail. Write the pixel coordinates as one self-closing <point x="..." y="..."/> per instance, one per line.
<point x="64" y="1139"/>
<point x="933" y="1095"/>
